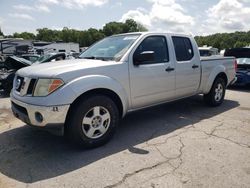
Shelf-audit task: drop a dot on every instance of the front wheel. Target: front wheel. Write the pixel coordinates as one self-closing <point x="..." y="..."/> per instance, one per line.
<point x="216" y="95"/>
<point x="92" y="121"/>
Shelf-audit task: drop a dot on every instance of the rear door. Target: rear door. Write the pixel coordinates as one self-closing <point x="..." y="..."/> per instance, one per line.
<point x="152" y="81"/>
<point x="188" y="70"/>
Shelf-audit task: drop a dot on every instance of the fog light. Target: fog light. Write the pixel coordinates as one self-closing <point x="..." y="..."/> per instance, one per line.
<point x="39" y="117"/>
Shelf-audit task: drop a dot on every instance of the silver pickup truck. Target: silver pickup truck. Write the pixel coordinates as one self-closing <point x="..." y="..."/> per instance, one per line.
<point x="87" y="97"/>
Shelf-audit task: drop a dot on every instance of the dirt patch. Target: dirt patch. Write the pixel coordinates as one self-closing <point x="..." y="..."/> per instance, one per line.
<point x="244" y="108"/>
<point x="6" y="116"/>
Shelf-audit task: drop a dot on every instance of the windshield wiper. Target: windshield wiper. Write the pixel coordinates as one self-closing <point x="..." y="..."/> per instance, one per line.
<point x="89" y="57"/>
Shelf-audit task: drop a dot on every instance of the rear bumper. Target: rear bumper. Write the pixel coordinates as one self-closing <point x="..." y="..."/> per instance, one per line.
<point x="39" y="116"/>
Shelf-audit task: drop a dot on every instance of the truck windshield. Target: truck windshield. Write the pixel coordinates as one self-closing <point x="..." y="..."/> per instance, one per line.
<point x="110" y="48"/>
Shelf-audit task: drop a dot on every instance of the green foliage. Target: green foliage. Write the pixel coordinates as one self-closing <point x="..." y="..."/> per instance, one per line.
<point x="119" y="27"/>
<point x="84" y="38"/>
<point x="24" y="35"/>
<point x="113" y="28"/>
<point x="46" y="34"/>
<point x="225" y="40"/>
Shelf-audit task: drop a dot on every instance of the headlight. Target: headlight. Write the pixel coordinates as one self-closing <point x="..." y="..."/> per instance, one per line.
<point x="45" y="87"/>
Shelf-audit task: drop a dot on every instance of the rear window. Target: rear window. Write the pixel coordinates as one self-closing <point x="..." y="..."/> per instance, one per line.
<point x="183" y="48"/>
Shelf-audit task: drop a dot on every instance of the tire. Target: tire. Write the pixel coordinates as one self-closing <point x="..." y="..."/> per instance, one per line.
<point x="216" y="95"/>
<point x="92" y="121"/>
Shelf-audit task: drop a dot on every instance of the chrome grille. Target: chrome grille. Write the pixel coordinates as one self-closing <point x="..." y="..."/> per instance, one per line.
<point x="31" y="87"/>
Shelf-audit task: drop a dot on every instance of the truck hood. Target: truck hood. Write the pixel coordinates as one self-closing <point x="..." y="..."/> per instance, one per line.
<point x="59" y="68"/>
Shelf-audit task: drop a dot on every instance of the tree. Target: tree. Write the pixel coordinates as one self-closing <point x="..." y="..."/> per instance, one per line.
<point x="240" y="44"/>
<point x="112" y="28"/>
<point x="133" y="26"/>
<point x="48" y="35"/>
<point x="24" y="35"/>
<point x="225" y="40"/>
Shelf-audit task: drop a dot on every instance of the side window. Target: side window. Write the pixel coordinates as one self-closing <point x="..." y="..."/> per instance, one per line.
<point x="156" y="44"/>
<point x="183" y="48"/>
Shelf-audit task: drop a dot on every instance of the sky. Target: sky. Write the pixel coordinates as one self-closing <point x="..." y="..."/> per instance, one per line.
<point x="196" y="17"/>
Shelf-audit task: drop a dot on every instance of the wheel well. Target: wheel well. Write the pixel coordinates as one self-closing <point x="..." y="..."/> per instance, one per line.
<point x="223" y="76"/>
<point x="109" y="93"/>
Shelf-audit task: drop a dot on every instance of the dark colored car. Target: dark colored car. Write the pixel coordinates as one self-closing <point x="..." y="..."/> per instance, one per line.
<point x="50" y="57"/>
<point x="242" y="56"/>
<point x="31" y="57"/>
<point x="8" y="69"/>
<point x="14" y="63"/>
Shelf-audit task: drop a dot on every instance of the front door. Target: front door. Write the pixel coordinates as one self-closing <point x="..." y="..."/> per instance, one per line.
<point x="152" y="81"/>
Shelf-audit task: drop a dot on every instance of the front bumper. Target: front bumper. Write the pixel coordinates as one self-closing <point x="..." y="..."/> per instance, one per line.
<point x="39" y="116"/>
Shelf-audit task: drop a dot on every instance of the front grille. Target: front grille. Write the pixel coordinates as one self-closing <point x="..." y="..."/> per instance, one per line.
<point x="31" y="87"/>
<point x="19" y="108"/>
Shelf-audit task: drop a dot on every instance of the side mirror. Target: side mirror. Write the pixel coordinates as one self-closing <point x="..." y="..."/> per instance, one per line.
<point x="144" y="58"/>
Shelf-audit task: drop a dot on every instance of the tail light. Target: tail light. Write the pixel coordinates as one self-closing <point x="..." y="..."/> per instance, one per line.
<point x="235" y="65"/>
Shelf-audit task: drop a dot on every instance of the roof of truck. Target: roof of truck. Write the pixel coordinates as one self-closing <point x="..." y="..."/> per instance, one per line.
<point x="155" y="33"/>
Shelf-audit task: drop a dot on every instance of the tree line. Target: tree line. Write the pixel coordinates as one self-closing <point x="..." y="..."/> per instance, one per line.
<point x="88" y="37"/>
<point x="225" y="40"/>
<point x="85" y="37"/>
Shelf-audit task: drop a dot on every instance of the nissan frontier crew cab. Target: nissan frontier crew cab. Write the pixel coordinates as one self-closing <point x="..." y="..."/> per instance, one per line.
<point x="88" y="96"/>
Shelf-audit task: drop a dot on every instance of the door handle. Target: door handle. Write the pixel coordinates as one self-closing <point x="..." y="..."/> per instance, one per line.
<point x="195" y="66"/>
<point x="169" y="69"/>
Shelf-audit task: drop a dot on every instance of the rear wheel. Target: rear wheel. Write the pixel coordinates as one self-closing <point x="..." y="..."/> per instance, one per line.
<point x="217" y="93"/>
<point x="92" y="121"/>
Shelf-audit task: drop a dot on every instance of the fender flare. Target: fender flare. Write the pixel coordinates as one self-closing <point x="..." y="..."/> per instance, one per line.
<point x="92" y="82"/>
<point x="215" y="72"/>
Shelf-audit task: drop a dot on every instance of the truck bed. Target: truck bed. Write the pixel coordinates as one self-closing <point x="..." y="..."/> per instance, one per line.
<point x="212" y="65"/>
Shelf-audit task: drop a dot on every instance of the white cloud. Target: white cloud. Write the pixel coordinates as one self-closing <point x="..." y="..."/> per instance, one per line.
<point x="1" y="21"/>
<point x="75" y="4"/>
<point x="37" y="7"/>
<point x="42" y="5"/>
<point x="21" y="16"/>
<point x="163" y="16"/>
<point x="42" y="8"/>
<point x="169" y="13"/>
<point x="23" y="7"/>
<point x="117" y="4"/>
<point x="228" y="16"/>
<point x="49" y="1"/>
<point x="138" y="15"/>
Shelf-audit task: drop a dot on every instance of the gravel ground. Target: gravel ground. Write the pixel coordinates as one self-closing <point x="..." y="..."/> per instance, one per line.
<point x="180" y="144"/>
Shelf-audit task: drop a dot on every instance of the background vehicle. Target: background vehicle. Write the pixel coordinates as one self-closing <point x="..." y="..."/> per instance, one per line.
<point x="50" y="57"/>
<point x="116" y="75"/>
<point x="208" y="51"/>
<point x="31" y="57"/>
<point x="8" y="69"/>
<point x="14" y="63"/>
<point x="243" y="64"/>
